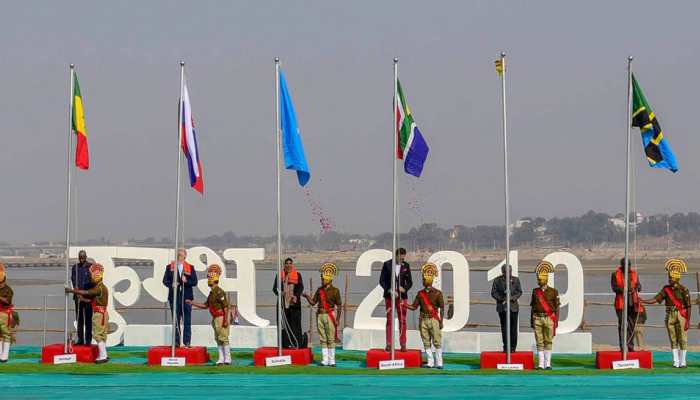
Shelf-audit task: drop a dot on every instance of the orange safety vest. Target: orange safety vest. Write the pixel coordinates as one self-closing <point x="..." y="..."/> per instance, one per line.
<point x="619" y="298"/>
<point x="186" y="267"/>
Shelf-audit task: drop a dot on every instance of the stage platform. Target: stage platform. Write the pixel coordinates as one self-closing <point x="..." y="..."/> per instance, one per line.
<point x="83" y="354"/>
<point x="303" y="356"/>
<point x="193" y="356"/>
<point x="491" y="359"/>
<point x="605" y="359"/>
<point x="410" y="357"/>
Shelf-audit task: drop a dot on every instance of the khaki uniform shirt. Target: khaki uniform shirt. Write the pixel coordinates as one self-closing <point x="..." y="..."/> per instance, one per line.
<point x="436" y="301"/>
<point x="551" y="296"/>
<point x="681" y="294"/>
<point x="99" y="294"/>
<point x="7" y="293"/>
<point x="217" y="299"/>
<point x="332" y="298"/>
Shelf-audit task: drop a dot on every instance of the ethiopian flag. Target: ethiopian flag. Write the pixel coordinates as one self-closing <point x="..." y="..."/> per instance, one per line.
<point x="82" y="158"/>
<point x="656" y="147"/>
<point x="412" y="148"/>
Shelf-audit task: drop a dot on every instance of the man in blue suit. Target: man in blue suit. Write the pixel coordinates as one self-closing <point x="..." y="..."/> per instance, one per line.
<point x="186" y="277"/>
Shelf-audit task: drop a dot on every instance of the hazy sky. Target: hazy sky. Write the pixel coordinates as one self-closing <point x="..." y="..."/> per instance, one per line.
<point x="567" y="98"/>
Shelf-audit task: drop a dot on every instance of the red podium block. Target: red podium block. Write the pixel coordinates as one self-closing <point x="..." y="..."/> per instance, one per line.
<point x="491" y="359"/>
<point x="411" y="358"/>
<point x="303" y="356"/>
<point x="83" y="354"/>
<point x="604" y="359"/>
<point x="192" y="355"/>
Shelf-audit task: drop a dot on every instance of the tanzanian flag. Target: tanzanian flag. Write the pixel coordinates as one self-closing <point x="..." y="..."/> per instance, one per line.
<point x="656" y="147"/>
<point x="82" y="158"/>
<point x="412" y="148"/>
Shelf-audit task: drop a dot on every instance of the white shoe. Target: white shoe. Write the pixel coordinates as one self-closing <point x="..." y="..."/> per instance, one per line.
<point x="676" y="358"/>
<point x="438" y="358"/>
<point x="227" y="354"/>
<point x="682" y="360"/>
<point x="5" y="351"/>
<point x="324" y="355"/>
<point x="220" y="360"/>
<point x="540" y="360"/>
<point x="430" y="362"/>
<point x="548" y="359"/>
<point x="331" y="357"/>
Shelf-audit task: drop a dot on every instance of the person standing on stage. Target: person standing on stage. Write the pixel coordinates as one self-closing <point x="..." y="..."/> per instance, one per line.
<point x="404" y="282"/>
<point x="80" y="277"/>
<point x="498" y="292"/>
<point x="292" y="289"/>
<point x="430" y="300"/>
<point x="328" y="313"/>
<point x="186" y="278"/>
<point x="217" y="303"/>
<point x="544" y="316"/>
<point x="6" y="316"/>
<point x="677" y="300"/>
<point x="98" y="296"/>
<point x="634" y="306"/>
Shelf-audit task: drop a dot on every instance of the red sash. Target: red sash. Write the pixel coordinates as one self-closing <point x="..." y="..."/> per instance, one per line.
<point x="8" y="311"/>
<point x="186" y="267"/>
<point x="424" y="296"/>
<point x="99" y="309"/>
<point x="328" y="309"/>
<point x="547" y="309"/>
<point x="676" y="303"/>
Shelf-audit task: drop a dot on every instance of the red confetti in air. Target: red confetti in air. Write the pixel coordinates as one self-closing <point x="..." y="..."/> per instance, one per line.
<point x="319" y="214"/>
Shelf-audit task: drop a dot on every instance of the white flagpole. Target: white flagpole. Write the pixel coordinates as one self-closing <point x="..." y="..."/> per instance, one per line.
<point x="507" y="202"/>
<point x="278" y="133"/>
<point x="394" y="223"/>
<point x="177" y="209"/>
<point x="68" y="204"/>
<point x="627" y="206"/>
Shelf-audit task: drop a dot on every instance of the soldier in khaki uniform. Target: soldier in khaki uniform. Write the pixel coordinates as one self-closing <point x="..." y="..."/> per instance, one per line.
<point x="328" y="313"/>
<point x="544" y="315"/>
<point x="677" y="300"/>
<point x="99" y="297"/>
<point x="430" y="300"/>
<point x="6" y="316"/>
<point x="218" y="306"/>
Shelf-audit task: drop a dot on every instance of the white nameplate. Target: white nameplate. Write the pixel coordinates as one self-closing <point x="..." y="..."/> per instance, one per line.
<point x="172" y="362"/>
<point x="278" y="361"/>
<point x="625" y="364"/>
<point x="391" y="364"/>
<point x="65" y="359"/>
<point x="512" y="367"/>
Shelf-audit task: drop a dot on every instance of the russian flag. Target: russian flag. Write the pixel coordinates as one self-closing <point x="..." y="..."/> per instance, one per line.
<point x="189" y="143"/>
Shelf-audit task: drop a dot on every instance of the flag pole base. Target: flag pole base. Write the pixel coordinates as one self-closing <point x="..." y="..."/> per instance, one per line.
<point x="608" y="359"/>
<point x="54" y="354"/>
<point x="411" y="357"/>
<point x="196" y="355"/>
<point x="303" y="356"/>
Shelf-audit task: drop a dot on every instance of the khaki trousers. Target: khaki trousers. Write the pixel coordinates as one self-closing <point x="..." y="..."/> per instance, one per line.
<point x="430" y="332"/>
<point x="544" y="332"/>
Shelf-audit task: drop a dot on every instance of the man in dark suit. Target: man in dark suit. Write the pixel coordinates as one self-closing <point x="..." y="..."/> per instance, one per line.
<point x="499" y="293"/>
<point x="186" y="277"/>
<point x="404" y="282"/>
<point x="80" y="278"/>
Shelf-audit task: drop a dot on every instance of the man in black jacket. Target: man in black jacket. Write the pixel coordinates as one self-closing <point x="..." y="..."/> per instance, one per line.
<point x="80" y="277"/>
<point x="292" y="289"/>
<point x="185" y="276"/>
<point x="403" y="285"/>
<point x="498" y="292"/>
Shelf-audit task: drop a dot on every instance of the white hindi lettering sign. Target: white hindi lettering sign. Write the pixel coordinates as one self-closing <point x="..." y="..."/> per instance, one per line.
<point x="244" y="283"/>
